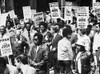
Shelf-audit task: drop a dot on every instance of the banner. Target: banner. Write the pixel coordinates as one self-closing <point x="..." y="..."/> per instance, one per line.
<point x="27" y="12"/>
<point x="3" y="19"/>
<point x="82" y="17"/>
<point x="5" y="47"/>
<point x="38" y="17"/>
<point x="55" y="11"/>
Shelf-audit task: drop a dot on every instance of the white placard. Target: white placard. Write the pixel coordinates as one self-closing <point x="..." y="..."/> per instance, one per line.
<point x="27" y="12"/>
<point x="68" y="3"/>
<point x="5" y="47"/>
<point x="82" y="17"/>
<point x="55" y="11"/>
<point x="96" y="7"/>
<point x="12" y="14"/>
<point x="68" y="13"/>
<point x="3" y="19"/>
<point x="33" y="11"/>
<point x="38" y="17"/>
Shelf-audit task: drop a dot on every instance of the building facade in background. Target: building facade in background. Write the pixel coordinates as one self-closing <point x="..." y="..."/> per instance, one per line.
<point x="39" y="5"/>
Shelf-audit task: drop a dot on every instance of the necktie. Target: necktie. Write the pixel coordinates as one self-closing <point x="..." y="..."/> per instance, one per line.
<point x="29" y="35"/>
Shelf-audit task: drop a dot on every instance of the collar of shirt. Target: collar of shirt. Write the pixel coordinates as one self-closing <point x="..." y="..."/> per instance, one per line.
<point x="54" y="35"/>
<point x="37" y="48"/>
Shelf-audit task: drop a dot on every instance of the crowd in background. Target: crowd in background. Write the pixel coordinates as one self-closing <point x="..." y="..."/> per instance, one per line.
<point x="51" y="45"/>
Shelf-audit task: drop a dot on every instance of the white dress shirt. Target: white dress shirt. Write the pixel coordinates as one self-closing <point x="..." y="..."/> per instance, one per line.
<point x="64" y="50"/>
<point x="85" y="41"/>
<point x="26" y="69"/>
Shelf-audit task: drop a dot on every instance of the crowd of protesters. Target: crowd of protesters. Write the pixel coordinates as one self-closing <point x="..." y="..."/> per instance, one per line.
<point x="51" y="45"/>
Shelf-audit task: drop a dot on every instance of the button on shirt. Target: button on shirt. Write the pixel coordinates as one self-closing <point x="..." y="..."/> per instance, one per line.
<point x="64" y="50"/>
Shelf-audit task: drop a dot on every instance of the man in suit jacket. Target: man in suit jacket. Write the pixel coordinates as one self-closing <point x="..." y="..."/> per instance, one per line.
<point x="56" y="38"/>
<point x="38" y="55"/>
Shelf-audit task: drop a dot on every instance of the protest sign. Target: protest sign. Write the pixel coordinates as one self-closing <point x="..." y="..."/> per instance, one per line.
<point x="55" y="11"/>
<point x="3" y="19"/>
<point x="68" y="3"/>
<point x="27" y="12"/>
<point x="98" y="14"/>
<point x="38" y="17"/>
<point x="5" y="47"/>
<point x="12" y="14"/>
<point x="82" y="17"/>
<point x="33" y="11"/>
<point x="32" y="14"/>
<point x="68" y="13"/>
<point x="96" y="7"/>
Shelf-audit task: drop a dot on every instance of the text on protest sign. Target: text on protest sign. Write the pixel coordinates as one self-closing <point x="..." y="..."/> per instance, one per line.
<point x="68" y="13"/>
<point x="82" y="17"/>
<point x="27" y="12"/>
<point x="96" y="7"/>
<point x="3" y="19"/>
<point x="38" y="17"/>
<point x="5" y="47"/>
<point x="55" y="11"/>
<point x="12" y="14"/>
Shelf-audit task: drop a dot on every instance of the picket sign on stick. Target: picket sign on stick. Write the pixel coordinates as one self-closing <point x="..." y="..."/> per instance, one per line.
<point x="96" y="8"/>
<point x="68" y="11"/>
<point x="12" y="16"/>
<point x="3" y="19"/>
<point x="54" y="9"/>
<point x="27" y="12"/>
<point x="82" y="17"/>
<point x="5" y="48"/>
<point x="38" y="17"/>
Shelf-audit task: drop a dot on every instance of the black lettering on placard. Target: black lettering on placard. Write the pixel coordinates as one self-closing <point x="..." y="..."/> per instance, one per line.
<point x="54" y="10"/>
<point x="39" y="18"/>
<point x="5" y="45"/>
<point x="82" y="20"/>
<point x="6" y="51"/>
<point x="55" y="15"/>
<point x="37" y="14"/>
<point x="2" y="40"/>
